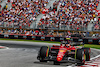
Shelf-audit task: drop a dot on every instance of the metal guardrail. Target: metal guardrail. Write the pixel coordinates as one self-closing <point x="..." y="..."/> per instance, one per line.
<point x="61" y="27"/>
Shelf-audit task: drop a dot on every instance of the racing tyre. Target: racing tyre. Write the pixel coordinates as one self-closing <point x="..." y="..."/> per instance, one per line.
<point x="87" y="53"/>
<point x="44" y="52"/>
<point x="80" y="55"/>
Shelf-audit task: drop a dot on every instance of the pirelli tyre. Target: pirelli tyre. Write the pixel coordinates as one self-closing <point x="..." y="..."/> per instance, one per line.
<point x="80" y="55"/>
<point x="87" y="53"/>
<point x="44" y="52"/>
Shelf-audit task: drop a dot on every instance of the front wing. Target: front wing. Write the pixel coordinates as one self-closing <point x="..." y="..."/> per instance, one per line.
<point x="64" y="60"/>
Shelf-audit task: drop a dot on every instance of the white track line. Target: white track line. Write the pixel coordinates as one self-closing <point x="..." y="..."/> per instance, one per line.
<point x="4" y="47"/>
<point x="95" y="57"/>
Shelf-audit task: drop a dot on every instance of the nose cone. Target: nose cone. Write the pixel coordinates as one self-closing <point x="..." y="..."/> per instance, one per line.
<point x="59" y="58"/>
<point x="61" y="53"/>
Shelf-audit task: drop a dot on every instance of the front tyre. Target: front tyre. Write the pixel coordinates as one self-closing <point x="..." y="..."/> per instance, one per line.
<point x="87" y="53"/>
<point x="44" y="52"/>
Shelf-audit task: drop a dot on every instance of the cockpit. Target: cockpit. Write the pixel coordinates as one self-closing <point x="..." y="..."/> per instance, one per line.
<point x="65" y="43"/>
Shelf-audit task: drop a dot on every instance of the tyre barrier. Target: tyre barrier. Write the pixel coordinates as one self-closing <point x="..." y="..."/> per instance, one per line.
<point x="86" y="40"/>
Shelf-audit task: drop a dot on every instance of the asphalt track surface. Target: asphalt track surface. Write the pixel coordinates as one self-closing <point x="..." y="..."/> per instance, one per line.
<point x="25" y="55"/>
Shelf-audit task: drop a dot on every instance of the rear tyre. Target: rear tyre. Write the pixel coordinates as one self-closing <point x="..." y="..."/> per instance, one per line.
<point x="44" y="52"/>
<point x="87" y="53"/>
<point x="80" y="55"/>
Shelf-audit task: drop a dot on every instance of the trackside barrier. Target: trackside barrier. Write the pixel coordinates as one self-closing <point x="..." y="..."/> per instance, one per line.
<point x="50" y="38"/>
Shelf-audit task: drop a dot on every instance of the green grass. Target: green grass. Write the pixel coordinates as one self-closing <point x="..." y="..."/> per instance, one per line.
<point x="92" y="46"/>
<point x="86" y="45"/>
<point x="29" y="40"/>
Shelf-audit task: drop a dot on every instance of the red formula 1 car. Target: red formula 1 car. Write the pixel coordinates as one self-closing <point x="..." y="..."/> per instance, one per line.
<point x="64" y="53"/>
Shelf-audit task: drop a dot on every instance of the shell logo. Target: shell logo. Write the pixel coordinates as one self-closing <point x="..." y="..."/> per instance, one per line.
<point x="62" y="50"/>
